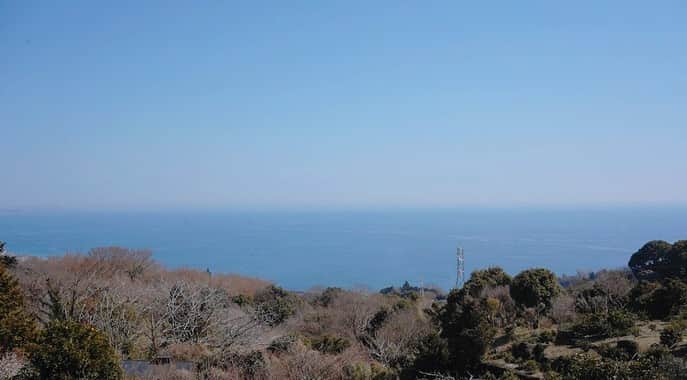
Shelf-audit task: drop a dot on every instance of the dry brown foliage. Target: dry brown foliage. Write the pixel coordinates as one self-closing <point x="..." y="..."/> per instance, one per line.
<point x="303" y="363"/>
<point x="394" y="343"/>
<point x="563" y="309"/>
<point x="145" y="310"/>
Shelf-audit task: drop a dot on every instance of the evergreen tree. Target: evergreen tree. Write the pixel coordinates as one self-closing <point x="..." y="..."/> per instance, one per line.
<point x="69" y="350"/>
<point x="17" y="327"/>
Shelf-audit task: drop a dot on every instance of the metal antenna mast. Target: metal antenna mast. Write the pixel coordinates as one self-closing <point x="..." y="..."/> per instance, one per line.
<point x="460" y="269"/>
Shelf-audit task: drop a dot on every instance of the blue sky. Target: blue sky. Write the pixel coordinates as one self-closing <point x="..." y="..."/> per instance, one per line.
<point x="342" y="104"/>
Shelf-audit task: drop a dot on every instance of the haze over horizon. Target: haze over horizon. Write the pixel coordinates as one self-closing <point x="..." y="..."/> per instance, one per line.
<point x="307" y="105"/>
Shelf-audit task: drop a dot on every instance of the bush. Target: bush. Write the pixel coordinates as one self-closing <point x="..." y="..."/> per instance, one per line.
<point x="327" y="296"/>
<point x="600" y="325"/>
<point x="656" y="364"/>
<point x="242" y="300"/>
<point x="535" y="288"/>
<point x="365" y="371"/>
<point x="586" y="366"/>
<point x="275" y="305"/>
<point x="547" y="336"/>
<point x="672" y="334"/>
<point x="659" y="364"/>
<point x="538" y="353"/>
<point x="530" y="366"/>
<point x="523" y="351"/>
<point x="659" y="300"/>
<point x="328" y="344"/>
<point x="628" y="347"/>
<point x="624" y="350"/>
<point x="432" y="355"/>
<point x="282" y="343"/>
<point x="70" y="350"/>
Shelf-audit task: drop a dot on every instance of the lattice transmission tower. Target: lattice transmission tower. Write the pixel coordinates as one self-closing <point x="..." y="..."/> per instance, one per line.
<point x="460" y="268"/>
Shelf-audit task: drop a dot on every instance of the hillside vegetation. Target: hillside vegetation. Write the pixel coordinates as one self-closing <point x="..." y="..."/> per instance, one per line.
<point x="80" y="316"/>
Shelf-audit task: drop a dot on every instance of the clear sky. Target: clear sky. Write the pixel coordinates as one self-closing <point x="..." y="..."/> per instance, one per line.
<point x="146" y="104"/>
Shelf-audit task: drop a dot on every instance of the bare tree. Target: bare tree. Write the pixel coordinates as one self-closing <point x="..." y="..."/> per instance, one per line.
<point x="118" y="313"/>
<point x="303" y="363"/>
<point x="192" y="311"/>
<point x="563" y="308"/>
<point x="353" y="312"/>
<point x="395" y="342"/>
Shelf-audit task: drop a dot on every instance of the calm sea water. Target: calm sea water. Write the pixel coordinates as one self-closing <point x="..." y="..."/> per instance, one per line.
<point x="372" y="248"/>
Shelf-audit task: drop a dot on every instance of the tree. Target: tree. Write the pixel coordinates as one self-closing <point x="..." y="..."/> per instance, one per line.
<point x="535" y="288"/>
<point x="192" y="311"/>
<point x="6" y="260"/>
<point x="432" y="356"/>
<point x="486" y="278"/>
<point x="466" y="329"/>
<point x="395" y="342"/>
<point x="70" y="350"/>
<point x="17" y="327"/>
<point x="658" y="259"/>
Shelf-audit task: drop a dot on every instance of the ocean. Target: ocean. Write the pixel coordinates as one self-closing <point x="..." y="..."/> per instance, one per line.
<point x="300" y="250"/>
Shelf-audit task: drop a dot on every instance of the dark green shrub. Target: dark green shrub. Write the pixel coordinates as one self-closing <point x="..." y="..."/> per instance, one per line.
<point x="656" y="364"/>
<point x="242" y="300"/>
<point x="659" y="364"/>
<point x="535" y="288"/>
<point x="586" y="366"/>
<point x="510" y="332"/>
<point x="530" y="366"/>
<point x="6" y="261"/>
<point x="327" y="297"/>
<point x="274" y="305"/>
<point x="538" y="353"/>
<point x="659" y="300"/>
<point x="658" y="260"/>
<point x="523" y="351"/>
<point x="68" y="350"/>
<point x="466" y="330"/>
<point x="629" y="348"/>
<point x="650" y="261"/>
<point x="17" y="327"/>
<point x="328" y="344"/>
<point x="509" y="375"/>
<point x="432" y="356"/>
<point x="547" y="336"/>
<point x="482" y="279"/>
<point x="601" y="325"/>
<point x="672" y="334"/>
<point x="282" y="343"/>
<point x="368" y="371"/>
